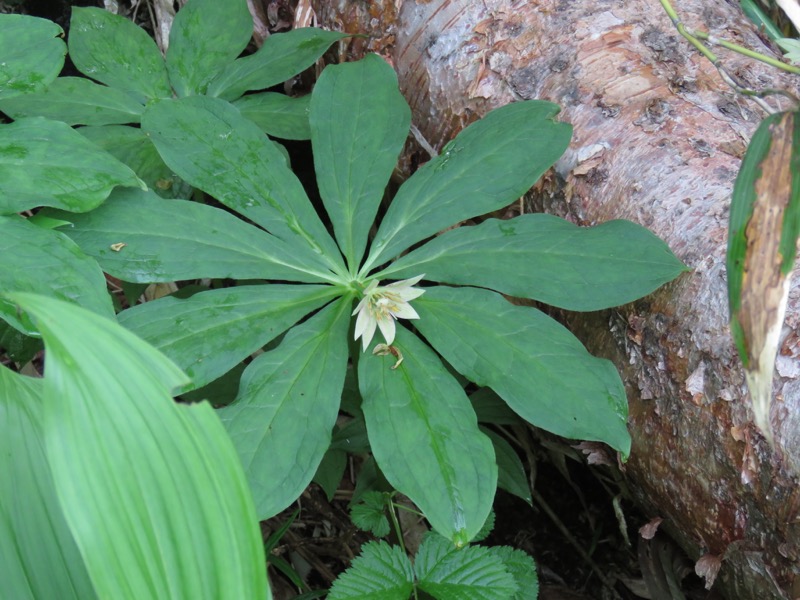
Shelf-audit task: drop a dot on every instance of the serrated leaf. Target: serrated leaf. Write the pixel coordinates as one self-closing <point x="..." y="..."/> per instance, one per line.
<point x="487" y="166"/>
<point x="153" y="491"/>
<point x="76" y="101"/>
<point x="370" y="514"/>
<point x="486" y="529"/>
<point x="380" y="572"/>
<point x="49" y="263"/>
<point x="173" y="240"/>
<point x="278" y="115"/>
<point x="471" y="573"/>
<point x="535" y="364"/>
<point x="38" y="555"/>
<point x="522" y="568"/>
<point x="208" y="143"/>
<point x="281" y="57"/>
<point x="359" y="123"/>
<point x="32" y="56"/>
<point x="547" y="259"/>
<point x="425" y="437"/>
<point x="288" y="401"/>
<point x="47" y="163"/>
<point x="510" y="472"/>
<point x="206" y="36"/>
<point x="115" y="51"/>
<point x="209" y="333"/>
<point x="762" y="244"/>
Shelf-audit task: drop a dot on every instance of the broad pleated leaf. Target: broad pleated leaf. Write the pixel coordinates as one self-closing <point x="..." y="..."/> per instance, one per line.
<point x="522" y="568"/>
<point x="425" y="437"/>
<point x="209" y="333"/>
<point x="535" y="364"/>
<point x="208" y="143"/>
<point x="472" y="573"/>
<point x="281" y="57"/>
<point x="288" y="401"/>
<point x="47" y="163"/>
<point x="278" y="115"/>
<point x="548" y="259"/>
<point x="131" y="146"/>
<point x="487" y="166"/>
<point x="49" y="263"/>
<point x="38" y="556"/>
<point x="153" y="491"/>
<point x="510" y="473"/>
<point x="359" y="123"/>
<point x="76" y="101"/>
<point x="762" y="245"/>
<point x="206" y="36"/>
<point x="112" y="49"/>
<point x="32" y="56"/>
<point x="380" y="572"/>
<point x="172" y="240"/>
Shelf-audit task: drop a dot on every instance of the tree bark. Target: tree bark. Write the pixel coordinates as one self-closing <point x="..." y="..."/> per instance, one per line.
<point x="658" y="139"/>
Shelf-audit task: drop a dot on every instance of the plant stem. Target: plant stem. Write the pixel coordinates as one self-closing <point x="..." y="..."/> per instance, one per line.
<point x="398" y="531"/>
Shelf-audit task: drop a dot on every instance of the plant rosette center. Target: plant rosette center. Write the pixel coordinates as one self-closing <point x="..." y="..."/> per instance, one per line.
<point x="380" y="306"/>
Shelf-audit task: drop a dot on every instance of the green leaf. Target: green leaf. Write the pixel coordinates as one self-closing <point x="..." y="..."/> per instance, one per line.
<point x="205" y="37"/>
<point x="762" y="21"/>
<point x="115" y="51"/>
<point x="76" y="101"/>
<point x="281" y="57"/>
<point x="370" y="514"/>
<point x="535" y="364"/>
<point x="49" y="263"/>
<point x="359" y="123"/>
<point x="131" y="146"/>
<point x="207" y="334"/>
<point x="471" y="573"/>
<point x="32" y="56"/>
<point x="490" y="408"/>
<point x="278" y="115"/>
<point x="510" y="473"/>
<point x="47" y="163"/>
<point x="380" y="572"/>
<point x="153" y="491"/>
<point x="287" y="405"/>
<point x="173" y="240"/>
<point x="38" y="555"/>
<point x="425" y="437"/>
<point x="487" y="166"/>
<point x="212" y="146"/>
<point x="548" y="259"/>
<point x="790" y="47"/>
<point x="330" y="471"/>
<point x="522" y="568"/>
<point x="487" y="527"/>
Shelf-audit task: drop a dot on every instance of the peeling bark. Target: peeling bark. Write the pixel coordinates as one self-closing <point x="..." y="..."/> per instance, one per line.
<point x="658" y="140"/>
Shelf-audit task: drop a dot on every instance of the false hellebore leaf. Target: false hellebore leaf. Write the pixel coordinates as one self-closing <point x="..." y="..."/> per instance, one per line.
<point x="380" y="306"/>
<point x="764" y="227"/>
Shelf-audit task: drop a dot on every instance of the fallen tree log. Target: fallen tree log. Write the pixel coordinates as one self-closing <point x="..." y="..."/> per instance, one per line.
<point x="658" y="139"/>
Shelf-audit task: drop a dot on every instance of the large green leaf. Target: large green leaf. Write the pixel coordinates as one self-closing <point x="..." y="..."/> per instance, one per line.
<point x="282" y="56"/>
<point x="76" y="101"/>
<point x="153" y="491"/>
<point x="380" y="572"/>
<point x="115" y="51"/>
<point x="288" y="401"/>
<point x="209" y="333"/>
<point x="425" y="437"/>
<point x="530" y="360"/>
<point x="548" y="259"/>
<point x="511" y="475"/>
<point x="32" y="54"/>
<point x="47" y="163"/>
<point x="49" y="263"/>
<point x="212" y="146"/>
<point x="523" y="569"/>
<point x="487" y="166"/>
<point x="278" y="115"/>
<point x="171" y="240"/>
<point x="359" y="123"/>
<point x="473" y="573"/>
<point x="38" y="556"/>
<point x="206" y="36"/>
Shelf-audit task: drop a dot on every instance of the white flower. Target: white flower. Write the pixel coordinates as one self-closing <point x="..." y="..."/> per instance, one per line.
<point x="380" y="306"/>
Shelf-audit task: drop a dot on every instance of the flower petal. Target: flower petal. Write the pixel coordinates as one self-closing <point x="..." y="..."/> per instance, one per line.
<point x="387" y="328"/>
<point x="406" y="282"/>
<point x="369" y="331"/>
<point x="405" y="311"/>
